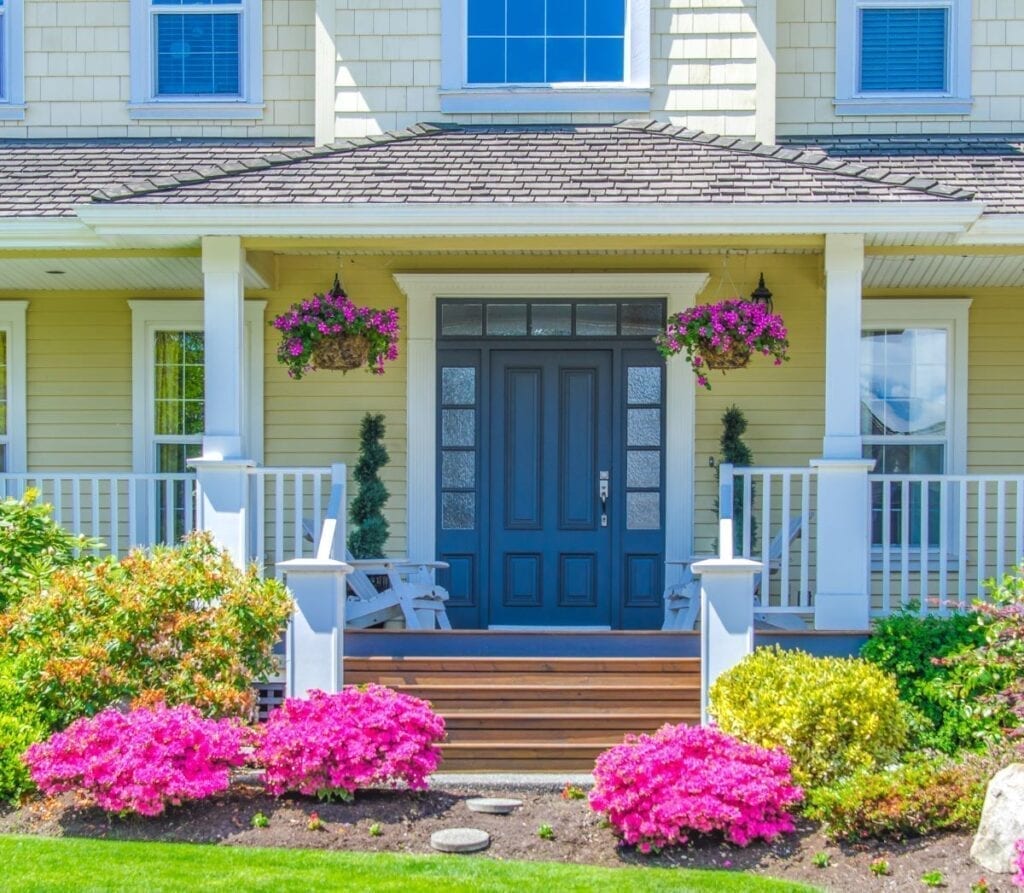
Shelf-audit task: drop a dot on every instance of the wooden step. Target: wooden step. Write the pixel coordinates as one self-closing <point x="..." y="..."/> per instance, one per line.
<point x="524" y="664"/>
<point x="484" y="755"/>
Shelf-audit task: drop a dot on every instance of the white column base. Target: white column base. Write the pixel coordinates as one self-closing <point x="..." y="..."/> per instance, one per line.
<point x="224" y="485"/>
<point x="842" y="597"/>
<point x="316" y="634"/>
<point x="727" y="618"/>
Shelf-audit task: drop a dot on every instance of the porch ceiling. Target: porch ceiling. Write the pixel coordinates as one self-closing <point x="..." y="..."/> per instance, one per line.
<point x="95" y="273"/>
<point x="943" y="271"/>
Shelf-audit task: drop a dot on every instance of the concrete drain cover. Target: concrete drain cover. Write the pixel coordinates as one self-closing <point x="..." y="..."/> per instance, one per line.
<point x="460" y="840"/>
<point x="493" y="805"/>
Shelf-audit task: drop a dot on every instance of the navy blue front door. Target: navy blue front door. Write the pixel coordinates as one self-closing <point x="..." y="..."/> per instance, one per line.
<point x="550" y="533"/>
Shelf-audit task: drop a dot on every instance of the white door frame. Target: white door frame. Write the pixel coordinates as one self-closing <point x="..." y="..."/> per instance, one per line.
<point x="423" y="291"/>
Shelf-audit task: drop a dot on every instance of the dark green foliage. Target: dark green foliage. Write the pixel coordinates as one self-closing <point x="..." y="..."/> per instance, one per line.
<point x="923" y="796"/>
<point x="736" y="452"/>
<point x="32" y="545"/>
<point x="370" y="527"/>
<point x="945" y="697"/>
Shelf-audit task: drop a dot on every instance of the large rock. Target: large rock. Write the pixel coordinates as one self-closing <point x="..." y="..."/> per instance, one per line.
<point x="1002" y="821"/>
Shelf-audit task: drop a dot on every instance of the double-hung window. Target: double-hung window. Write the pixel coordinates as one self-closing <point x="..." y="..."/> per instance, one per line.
<point x="913" y="369"/>
<point x="545" y="55"/>
<point x="196" y="58"/>
<point x="903" y="57"/>
<point x="12" y="81"/>
<point x="12" y="386"/>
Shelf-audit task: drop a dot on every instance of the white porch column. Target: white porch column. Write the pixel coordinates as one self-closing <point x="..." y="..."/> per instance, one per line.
<point x="842" y="597"/>
<point x="316" y="634"/>
<point x="222" y="470"/>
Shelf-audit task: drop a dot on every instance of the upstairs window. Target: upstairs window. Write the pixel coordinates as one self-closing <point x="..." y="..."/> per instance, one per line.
<point x="546" y="41"/>
<point x="200" y="53"/>
<point x="12" y="88"/>
<point x="555" y="56"/>
<point x="910" y="57"/>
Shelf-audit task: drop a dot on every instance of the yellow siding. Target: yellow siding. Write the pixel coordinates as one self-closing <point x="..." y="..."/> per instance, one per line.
<point x="79" y="369"/>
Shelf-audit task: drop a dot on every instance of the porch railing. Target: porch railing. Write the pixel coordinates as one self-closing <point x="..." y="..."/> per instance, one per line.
<point x="937" y="539"/>
<point x="773" y="522"/>
<point x="120" y="510"/>
<point x="287" y="507"/>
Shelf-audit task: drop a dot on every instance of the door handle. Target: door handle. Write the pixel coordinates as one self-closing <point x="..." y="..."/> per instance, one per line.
<point x="602" y="491"/>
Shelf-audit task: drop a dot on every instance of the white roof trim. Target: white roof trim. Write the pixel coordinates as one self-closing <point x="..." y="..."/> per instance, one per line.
<point x="996" y="229"/>
<point x="47" y="232"/>
<point x="160" y="220"/>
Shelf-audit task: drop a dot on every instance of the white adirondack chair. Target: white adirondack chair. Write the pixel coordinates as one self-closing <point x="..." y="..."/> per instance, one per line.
<point x="682" y="599"/>
<point x="411" y="594"/>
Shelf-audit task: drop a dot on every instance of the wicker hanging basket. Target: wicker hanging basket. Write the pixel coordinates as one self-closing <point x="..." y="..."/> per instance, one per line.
<point x="735" y="357"/>
<point x="341" y="352"/>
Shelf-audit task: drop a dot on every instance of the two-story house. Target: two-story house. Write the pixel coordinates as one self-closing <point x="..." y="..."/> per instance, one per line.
<point x="534" y="184"/>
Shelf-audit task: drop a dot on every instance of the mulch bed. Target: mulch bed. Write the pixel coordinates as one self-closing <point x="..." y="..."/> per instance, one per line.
<point x="407" y="820"/>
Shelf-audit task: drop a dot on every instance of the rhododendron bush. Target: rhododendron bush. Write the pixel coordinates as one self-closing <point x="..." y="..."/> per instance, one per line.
<point x="1018" y="878"/>
<point x="139" y="762"/>
<point x="332" y="745"/>
<point x="658" y="790"/>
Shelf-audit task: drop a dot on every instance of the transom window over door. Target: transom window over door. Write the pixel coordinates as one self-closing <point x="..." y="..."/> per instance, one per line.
<point x="546" y="41"/>
<point x="194" y="52"/>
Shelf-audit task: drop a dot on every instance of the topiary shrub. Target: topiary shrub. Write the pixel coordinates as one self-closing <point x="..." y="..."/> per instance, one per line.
<point x="833" y="716"/>
<point x="139" y="762"/>
<point x="658" y="790"/>
<point x="369" y="526"/>
<point x="907" y="645"/>
<point x="32" y="545"/>
<point x="923" y="796"/>
<point x="332" y="745"/>
<point x="175" y="625"/>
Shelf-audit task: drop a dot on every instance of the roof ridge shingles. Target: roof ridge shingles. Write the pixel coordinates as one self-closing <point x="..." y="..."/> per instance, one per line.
<point x="808" y="157"/>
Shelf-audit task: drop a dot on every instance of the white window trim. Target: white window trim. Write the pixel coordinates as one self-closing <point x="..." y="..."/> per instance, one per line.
<point x="12" y="101"/>
<point x="145" y="104"/>
<point x="149" y="317"/>
<point x="424" y="290"/>
<point x="632" y="95"/>
<point x="12" y="322"/>
<point x="955" y="101"/>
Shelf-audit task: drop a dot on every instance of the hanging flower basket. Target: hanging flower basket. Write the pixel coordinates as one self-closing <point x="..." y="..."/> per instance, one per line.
<point x="341" y="352"/>
<point x="331" y="332"/>
<point x="724" y="336"/>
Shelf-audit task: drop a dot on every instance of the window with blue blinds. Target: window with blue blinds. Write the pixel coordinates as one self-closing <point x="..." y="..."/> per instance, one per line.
<point x="197" y="51"/>
<point x="904" y="49"/>
<point x="3" y="55"/>
<point x="545" y="41"/>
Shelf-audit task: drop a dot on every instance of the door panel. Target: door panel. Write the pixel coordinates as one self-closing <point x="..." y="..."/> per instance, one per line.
<point x="550" y="437"/>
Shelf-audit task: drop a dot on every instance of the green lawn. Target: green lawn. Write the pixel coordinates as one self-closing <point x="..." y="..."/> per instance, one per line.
<point x="67" y="864"/>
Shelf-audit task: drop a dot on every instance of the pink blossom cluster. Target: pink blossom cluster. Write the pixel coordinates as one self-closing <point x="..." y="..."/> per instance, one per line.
<point x="139" y="762"/>
<point x="657" y="790"/>
<point x="1018" y="878"/>
<point x="331" y="745"/>
<point x="719" y="328"/>
<point x="307" y="322"/>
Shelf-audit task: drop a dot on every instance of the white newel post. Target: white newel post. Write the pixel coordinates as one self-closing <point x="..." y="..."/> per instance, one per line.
<point x="223" y="471"/>
<point x="316" y="635"/>
<point x="842" y="596"/>
<point x="727" y="611"/>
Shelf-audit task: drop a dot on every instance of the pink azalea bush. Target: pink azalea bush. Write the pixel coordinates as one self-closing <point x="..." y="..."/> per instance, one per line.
<point x="139" y="762"/>
<point x="307" y="322"/>
<point x="657" y="790"/>
<point x="332" y="745"/>
<point x="719" y="328"/>
<point x="1018" y="878"/>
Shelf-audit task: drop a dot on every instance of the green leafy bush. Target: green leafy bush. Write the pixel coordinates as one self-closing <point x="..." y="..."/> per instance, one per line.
<point x="923" y="796"/>
<point x="945" y="697"/>
<point x="175" y="625"/>
<point x="32" y="545"/>
<point x="20" y="726"/>
<point x="833" y="716"/>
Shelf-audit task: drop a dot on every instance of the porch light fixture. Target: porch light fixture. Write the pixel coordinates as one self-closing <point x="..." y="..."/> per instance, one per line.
<point x="338" y="292"/>
<point x="762" y="294"/>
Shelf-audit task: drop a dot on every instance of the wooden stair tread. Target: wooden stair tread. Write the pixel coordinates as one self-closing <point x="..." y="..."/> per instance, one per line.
<point x="618" y="716"/>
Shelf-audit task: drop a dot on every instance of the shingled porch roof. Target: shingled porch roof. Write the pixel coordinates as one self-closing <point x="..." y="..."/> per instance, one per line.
<point x="631" y="163"/>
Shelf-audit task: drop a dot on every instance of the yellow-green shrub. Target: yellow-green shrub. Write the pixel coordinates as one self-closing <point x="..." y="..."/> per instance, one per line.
<point x="833" y="716"/>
